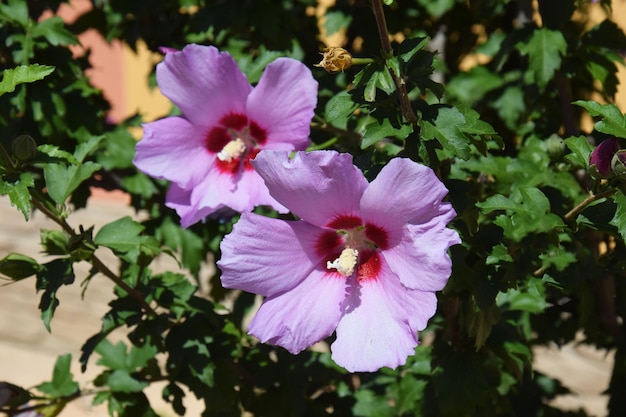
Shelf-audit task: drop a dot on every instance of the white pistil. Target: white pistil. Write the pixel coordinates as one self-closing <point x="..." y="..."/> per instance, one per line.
<point x="233" y="149"/>
<point x="345" y="263"/>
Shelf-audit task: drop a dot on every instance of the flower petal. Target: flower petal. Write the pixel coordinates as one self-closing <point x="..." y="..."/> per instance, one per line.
<point x="420" y="259"/>
<point x="241" y="192"/>
<point x="317" y="186"/>
<point x="403" y="192"/>
<point x="179" y="199"/>
<point x="302" y="316"/>
<point x="173" y="149"/>
<point x="268" y="256"/>
<point x="204" y="83"/>
<point x="380" y="325"/>
<point x="282" y="104"/>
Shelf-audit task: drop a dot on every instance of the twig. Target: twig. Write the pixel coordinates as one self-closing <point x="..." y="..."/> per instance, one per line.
<point x="403" y="96"/>
<point x="590" y="199"/>
<point x="102" y="268"/>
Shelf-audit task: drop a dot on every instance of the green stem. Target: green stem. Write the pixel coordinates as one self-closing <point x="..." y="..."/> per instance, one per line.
<point x="590" y="199"/>
<point x="97" y="262"/>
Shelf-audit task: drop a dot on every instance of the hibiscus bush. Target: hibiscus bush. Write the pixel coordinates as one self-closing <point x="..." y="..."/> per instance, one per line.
<point x="390" y="224"/>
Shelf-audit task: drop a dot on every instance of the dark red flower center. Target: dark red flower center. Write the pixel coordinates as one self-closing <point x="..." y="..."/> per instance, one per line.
<point x="352" y="245"/>
<point x="235" y="140"/>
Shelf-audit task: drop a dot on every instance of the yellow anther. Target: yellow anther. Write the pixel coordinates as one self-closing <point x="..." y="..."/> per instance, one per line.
<point x="345" y="263"/>
<point x="233" y="149"/>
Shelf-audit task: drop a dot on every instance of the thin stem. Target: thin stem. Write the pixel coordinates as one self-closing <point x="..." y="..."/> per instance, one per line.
<point x="97" y="262"/>
<point x="403" y="95"/>
<point x="590" y="199"/>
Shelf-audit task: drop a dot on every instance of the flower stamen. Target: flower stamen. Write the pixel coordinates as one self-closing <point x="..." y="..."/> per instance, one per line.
<point x="345" y="263"/>
<point x="233" y="150"/>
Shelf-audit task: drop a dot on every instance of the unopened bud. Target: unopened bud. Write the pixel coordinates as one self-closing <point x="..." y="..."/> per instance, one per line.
<point x="555" y="146"/>
<point x="24" y="148"/>
<point x="600" y="160"/>
<point x="335" y="59"/>
<point x="618" y="165"/>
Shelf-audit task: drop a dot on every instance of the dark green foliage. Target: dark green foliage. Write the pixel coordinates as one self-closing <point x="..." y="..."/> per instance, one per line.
<point x="542" y="258"/>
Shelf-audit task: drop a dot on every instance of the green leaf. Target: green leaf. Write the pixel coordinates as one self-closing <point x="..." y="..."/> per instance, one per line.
<point x="17" y="266"/>
<point x="580" y="150"/>
<point x="613" y="120"/>
<point x="15" y="11"/>
<point x="619" y="220"/>
<point x="23" y="74"/>
<point x="339" y="108"/>
<point x="62" y="384"/>
<point x="376" y="131"/>
<point x="53" y="29"/>
<point x="121" y="381"/>
<point x="368" y="404"/>
<point x="18" y="192"/>
<point x="54" y="242"/>
<point x="545" y="49"/>
<point x="87" y="148"/>
<point x="62" y="180"/>
<point x="123" y="235"/>
<point x="50" y="278"/>
<point x="445" y="128"/>
<point x="336" y="20"/>
<point x="116" y="356"/>
<point x="530" y="298"/>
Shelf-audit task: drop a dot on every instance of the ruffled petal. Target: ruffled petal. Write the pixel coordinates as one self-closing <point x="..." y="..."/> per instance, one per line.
<point x="173" y="149"/>
<point x="316" y="186"/>
<point x="204" y="83"/>
<point x="282" y="104"/>
<point x="241" y="192"/>
<point x="380" y="324"/>
<point x="302" y="316"/>
<point x="267" y="256"/>
<point x="179" y="199"/>
<point x="403" y="192"/>
<point x="420" y="259"/>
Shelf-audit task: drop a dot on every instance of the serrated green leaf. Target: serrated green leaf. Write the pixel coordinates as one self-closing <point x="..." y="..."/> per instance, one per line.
<point x="121" y="381"/>
<point x="339" y="106"/>
<point x="613" y="120"/>
<point x="62" y="180"/>
<point x="619" y="220"/>
<point x="50" y="277"/>
<point x="53" y="29"/>
<point x="18" y="192"/>
<point x="17" y="266"/>
<point x="445" y="128"/>
<point x="54" y="242"/>
<point x="580" y="150"/>
<point x="117" y="357"/>
<point x="62" y="384"/>
<point x="376" y="131"/>
<point x="11" y="78"/>
<point x="57" y="153"/>
<point x="545" y="50"/>
<point x="15" y="11"/>
<point x="87" y="148"/>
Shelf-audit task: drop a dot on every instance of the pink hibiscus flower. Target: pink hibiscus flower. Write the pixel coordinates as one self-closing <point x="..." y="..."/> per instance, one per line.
<point x="225" y="122"/>
<point x="364" y="260"/>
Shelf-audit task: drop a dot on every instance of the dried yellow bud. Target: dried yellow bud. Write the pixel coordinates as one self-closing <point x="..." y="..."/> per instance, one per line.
<point x="335" y="59"/>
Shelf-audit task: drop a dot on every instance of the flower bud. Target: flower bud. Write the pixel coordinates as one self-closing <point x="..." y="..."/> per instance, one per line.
<point x="600" y="160"/>
<point x="24" y="148"/>
<point x="555" y="146"/>
<point x="335" y="59"/>
<point x="618" y="165"/>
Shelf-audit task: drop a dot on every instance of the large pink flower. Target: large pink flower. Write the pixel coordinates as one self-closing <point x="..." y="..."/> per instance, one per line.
<point x="225" y="122"/>
<point x="364" y="260"/>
